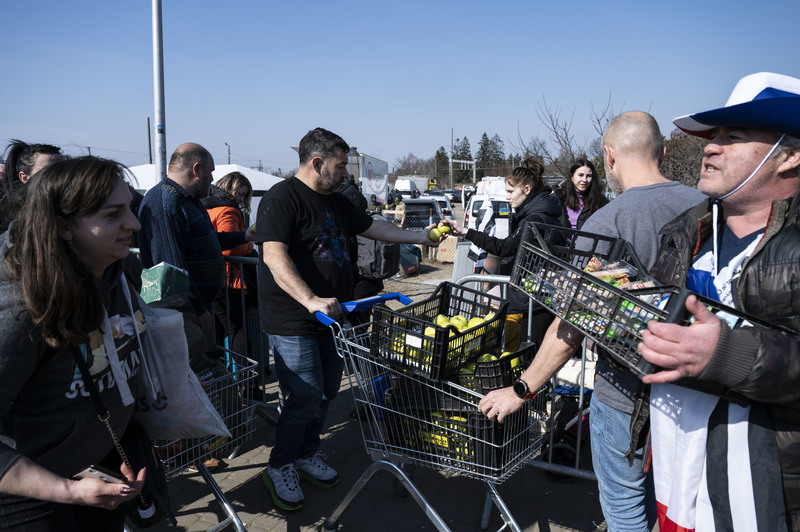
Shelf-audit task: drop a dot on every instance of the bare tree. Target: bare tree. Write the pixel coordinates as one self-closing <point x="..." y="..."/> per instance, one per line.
<point x="411" y="165"/>
<point x="562" y="149"/>
<point x="683" y="158"/>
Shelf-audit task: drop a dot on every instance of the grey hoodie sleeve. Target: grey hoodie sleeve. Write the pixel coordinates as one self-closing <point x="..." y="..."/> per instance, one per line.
<point x="18" y="359"/>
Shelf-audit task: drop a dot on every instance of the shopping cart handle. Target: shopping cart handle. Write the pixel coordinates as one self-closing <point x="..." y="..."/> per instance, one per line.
<point x="364" y="304"/>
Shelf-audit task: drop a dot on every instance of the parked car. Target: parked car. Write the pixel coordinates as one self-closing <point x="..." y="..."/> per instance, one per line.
<point x="421" y="212"/>
<point x="444" y="205"/>
<point x="457" y="195"/>
<point x="501" y="211"/>
<point x="449" y="194"/>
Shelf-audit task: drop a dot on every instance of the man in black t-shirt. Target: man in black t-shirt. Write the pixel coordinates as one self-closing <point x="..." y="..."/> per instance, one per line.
<point x="304" y="229"/>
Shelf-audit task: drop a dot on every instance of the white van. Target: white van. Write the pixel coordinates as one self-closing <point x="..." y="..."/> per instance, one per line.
<point x="406" y="187"/>
<point x="501" y="211"/>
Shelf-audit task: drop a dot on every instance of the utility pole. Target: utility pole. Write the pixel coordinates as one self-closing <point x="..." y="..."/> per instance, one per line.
<point x="451" y="158"/>
<point x="149" y="141"/>
<point x="229" y="152"/>
<point x="158" y="92"/>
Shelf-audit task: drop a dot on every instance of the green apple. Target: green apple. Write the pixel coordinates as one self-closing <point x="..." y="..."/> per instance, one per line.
<point x="515" y="362"/>
<point x="459" y="321"/>
<point x="444" y="228"/>
<point x="488" y="357"/>
<point x="434" y="235"/>
<point x="489" y="316"/>
<point x="468" y="369"/>
<point x="441" y="320"/>
<point x="398" y="343"/>
<point x="474" y="322"/>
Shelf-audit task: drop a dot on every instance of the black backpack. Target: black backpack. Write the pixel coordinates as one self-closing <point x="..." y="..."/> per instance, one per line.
<point x="377" y="260"/>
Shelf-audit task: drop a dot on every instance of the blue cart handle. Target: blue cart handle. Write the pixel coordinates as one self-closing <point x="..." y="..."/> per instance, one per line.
<point x="363" y="304"/>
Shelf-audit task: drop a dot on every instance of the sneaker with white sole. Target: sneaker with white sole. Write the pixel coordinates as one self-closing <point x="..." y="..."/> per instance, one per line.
<point x="284" y="487"/>
<point x="316" y="471"/>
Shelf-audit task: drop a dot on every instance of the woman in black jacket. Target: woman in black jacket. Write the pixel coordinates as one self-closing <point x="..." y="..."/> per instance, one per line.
<point x="532" y="201"/>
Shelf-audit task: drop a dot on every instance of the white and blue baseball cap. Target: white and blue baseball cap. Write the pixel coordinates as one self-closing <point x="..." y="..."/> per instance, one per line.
<point x="764" y="101"/>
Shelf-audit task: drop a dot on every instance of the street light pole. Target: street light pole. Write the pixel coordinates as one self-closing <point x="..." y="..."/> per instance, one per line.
<point x="229" y="152"/>
<point x="158" y="92"/>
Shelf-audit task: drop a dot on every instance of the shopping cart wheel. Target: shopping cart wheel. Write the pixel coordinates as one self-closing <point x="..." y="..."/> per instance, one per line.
<point x="328" y="526"/>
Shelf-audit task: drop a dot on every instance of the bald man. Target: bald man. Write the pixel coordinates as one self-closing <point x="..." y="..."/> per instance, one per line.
<point x="176" y="229"/>
<point x="645" y="202"/>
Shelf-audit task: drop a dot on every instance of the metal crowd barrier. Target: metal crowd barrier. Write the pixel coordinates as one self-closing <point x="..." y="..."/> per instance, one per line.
<point x="232" y="398"/>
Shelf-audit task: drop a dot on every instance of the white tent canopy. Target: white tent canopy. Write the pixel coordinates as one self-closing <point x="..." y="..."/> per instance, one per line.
<point x="145" y="176"/>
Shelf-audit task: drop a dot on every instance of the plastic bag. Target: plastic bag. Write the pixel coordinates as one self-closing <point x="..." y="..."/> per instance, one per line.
<point x="171" y="403"/>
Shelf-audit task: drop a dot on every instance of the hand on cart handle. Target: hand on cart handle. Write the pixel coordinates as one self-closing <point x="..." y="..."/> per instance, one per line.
<point x="362" y="304"/>
<point x="498" y="404"/>
<point x="682" y="351"/>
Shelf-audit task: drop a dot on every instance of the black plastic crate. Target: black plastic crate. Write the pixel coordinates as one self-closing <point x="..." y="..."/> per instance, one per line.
<point x="465" y="439"/>
<point x="410" y="337"/>
<point x="494" y="374"/>
<point x="575" y="247"/>
<point x="613" y="317"/>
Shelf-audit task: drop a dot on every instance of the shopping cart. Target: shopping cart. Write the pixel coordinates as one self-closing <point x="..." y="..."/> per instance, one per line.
<point x="229" y="390"/>
<point x="409" y="419"/>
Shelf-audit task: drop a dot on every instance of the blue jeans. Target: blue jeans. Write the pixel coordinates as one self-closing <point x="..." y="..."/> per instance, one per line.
<point x="627" y="494"/>
<point x="309" y="372"/>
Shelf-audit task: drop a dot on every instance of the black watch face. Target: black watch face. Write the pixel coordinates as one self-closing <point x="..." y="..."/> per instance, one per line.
<point x="520" y="388"/>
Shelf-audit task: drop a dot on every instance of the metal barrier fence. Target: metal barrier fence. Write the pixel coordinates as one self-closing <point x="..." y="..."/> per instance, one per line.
<point x="231" y="394"/>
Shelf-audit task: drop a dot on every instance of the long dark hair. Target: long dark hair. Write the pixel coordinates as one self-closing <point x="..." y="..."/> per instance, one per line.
<point x="593" y="197"/>
<point x="21" y="157"/>
<point x="62" y="296"/>
<point x="530" y="172"/>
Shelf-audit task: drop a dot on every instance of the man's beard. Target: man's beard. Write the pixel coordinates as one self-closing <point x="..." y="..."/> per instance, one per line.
<point x="329" y="183"/>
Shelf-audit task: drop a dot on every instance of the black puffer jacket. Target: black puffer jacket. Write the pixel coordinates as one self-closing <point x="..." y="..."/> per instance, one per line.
<point x="541" y="206"/>
<point x="763" y="367"/>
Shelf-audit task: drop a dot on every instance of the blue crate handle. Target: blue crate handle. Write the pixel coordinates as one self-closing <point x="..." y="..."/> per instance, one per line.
<point x="363" y="304"/>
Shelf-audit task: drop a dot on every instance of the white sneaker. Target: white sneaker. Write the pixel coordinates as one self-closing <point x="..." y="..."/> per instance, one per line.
<point x="316" y="471"/>
<point x="284" y="487"/>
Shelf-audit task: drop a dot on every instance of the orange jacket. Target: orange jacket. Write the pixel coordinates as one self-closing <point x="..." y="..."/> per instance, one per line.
<point x="227" y="218"/>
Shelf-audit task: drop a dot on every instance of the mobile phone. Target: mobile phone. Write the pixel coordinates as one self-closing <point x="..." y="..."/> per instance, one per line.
<point x="99" y="473"/>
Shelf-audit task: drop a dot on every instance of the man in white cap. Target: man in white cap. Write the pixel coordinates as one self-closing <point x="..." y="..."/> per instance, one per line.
<point x="726" y="448"/>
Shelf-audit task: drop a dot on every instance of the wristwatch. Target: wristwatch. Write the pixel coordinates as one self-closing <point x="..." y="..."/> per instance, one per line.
<point x="522" y="391"/>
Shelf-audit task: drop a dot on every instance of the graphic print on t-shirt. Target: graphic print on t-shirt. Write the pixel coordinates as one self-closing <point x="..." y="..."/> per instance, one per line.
<point x="331" y="243"/>
<point x="123" y="334"/>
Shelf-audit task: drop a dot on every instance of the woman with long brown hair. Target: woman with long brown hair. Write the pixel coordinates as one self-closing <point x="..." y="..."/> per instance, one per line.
<point x="581" y="193"/>
<point x="62" y="297"/>
<point x="532" y="201"/>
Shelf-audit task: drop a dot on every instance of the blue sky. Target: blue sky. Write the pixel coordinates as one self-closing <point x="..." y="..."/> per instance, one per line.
<point x="391" y="77"/>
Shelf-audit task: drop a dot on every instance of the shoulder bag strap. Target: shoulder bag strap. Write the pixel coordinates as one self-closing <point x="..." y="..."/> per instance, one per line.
<point x="102" y="412"/>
